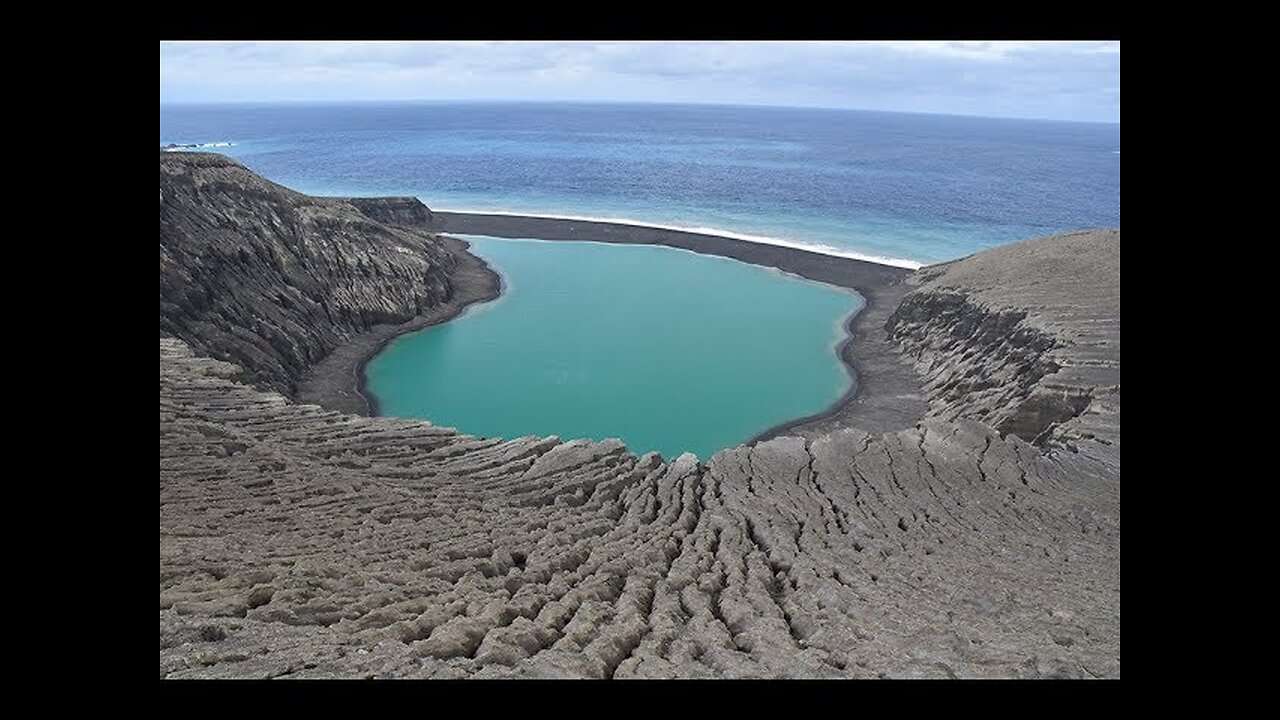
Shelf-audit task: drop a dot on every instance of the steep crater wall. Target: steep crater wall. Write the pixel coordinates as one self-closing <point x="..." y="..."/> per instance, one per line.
<point x="982" y="363"/>
<point x="1025" y="338"/>
<point x="274" y="280"/>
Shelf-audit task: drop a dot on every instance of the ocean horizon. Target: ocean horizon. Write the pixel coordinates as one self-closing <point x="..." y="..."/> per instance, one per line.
<point x="896" y="188"/>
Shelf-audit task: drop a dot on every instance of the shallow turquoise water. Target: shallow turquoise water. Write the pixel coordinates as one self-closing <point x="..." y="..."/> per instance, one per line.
<point x="664" y="349"/>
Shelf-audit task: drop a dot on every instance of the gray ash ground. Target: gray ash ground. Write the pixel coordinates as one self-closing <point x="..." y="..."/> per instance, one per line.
<point x="979" y="539"/>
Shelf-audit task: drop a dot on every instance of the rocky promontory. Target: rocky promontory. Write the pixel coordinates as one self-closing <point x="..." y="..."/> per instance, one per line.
<point x="982" y="540"/>
<point x="275" y="280"/>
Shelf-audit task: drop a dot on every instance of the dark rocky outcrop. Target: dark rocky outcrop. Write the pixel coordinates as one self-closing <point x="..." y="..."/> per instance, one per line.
<point x="298" y="541"/>
<point x="274" y="280"/>
<point x="405" y="212"/>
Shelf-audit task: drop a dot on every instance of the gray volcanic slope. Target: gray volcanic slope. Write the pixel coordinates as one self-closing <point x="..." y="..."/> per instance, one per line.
<point x="274" y="280"/>
<point x="303" y="542"/>
<point x="1024" y="337"/>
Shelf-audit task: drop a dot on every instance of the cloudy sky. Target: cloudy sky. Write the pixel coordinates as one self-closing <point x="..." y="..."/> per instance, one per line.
<point x="1054" y="80"/>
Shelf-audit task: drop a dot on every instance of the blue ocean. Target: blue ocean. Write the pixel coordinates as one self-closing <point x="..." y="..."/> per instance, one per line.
<point x="902" y="188"/>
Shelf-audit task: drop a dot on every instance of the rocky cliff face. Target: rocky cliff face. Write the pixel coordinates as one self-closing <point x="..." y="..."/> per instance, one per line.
<point x="404" y="212"/>
<point x="1025" y="338"/>
<point x="274" y="280"/>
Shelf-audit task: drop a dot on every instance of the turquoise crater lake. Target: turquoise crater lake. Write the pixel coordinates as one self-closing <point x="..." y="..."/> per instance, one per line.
<point x="667" y="350"/>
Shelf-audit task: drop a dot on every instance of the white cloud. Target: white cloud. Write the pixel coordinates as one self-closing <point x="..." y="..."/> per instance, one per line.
<point x="970" y="77"/>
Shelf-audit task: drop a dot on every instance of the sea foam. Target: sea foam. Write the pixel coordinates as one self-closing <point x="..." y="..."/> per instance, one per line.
<point x="196" y="146"/>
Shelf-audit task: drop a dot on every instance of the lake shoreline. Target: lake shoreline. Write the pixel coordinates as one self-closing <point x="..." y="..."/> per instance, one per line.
<point x="884" y="394"/>
<point x="338" y="381"/>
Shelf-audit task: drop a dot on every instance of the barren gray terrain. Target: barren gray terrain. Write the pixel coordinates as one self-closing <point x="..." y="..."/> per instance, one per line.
<point x="304" y="542"/>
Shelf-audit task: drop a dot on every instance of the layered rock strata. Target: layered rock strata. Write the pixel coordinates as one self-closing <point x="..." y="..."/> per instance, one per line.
<point x="1025" y="338"/>
<point x="275" y="280"/>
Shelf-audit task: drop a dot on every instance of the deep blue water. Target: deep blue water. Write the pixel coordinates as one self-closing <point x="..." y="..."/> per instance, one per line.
<point x="922" y="188"/>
